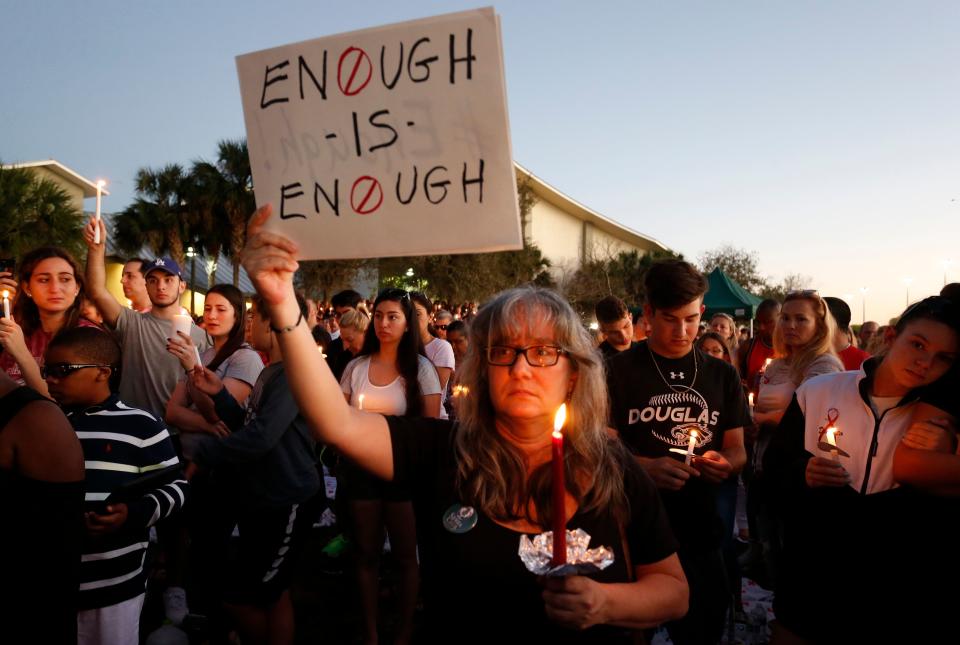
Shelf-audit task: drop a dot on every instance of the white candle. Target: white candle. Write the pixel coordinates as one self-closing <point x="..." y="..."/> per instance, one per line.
<point x="6" y="303"/>
<point x="832" y="440"/>
<point x="181" y="322"/>
<point x="690" y="447"/>
<point x="360" y="401"/>
<point x="96" y="232"/>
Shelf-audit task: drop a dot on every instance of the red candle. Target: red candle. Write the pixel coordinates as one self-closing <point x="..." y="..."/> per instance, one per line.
<point x="559" y="491"/>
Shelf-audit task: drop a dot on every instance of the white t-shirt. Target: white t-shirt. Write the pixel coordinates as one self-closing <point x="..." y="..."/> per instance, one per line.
<point x="385" y="399"/>
<point x="440" y="353"/>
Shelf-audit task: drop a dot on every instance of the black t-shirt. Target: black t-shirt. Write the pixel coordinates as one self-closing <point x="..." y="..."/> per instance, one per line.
<point x="652" y="418"/>
<point x="609" y="351"/>
<point x="945" y="393"/>
<point x="476" y="589"/>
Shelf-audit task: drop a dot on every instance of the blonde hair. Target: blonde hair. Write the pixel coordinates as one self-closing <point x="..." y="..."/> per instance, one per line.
<point x="355" y="319"/>
<point x="491" y="471"/>
<point x="800" y="358"/>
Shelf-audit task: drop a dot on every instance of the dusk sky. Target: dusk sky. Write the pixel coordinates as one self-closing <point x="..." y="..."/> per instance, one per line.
<point x="825" y="136"/>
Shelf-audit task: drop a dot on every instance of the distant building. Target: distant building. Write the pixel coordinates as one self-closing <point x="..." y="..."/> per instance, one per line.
<point x="568" y="233"/>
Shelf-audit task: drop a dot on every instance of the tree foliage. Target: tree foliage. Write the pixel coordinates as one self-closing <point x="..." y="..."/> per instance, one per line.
<point x="36" y="212"/>
<point x="619" y="275"/>
<point x="739" y="264"/>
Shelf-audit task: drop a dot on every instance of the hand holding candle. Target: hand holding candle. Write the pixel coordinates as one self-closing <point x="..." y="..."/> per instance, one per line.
<point x="559" y="490"/>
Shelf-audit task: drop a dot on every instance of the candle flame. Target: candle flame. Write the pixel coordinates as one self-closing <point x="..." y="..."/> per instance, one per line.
<point x="6" y="294"/>
<point x="832" y="436"/>
<point x="560" y="418"/>
<point x="693" y="434"/>
<point x="751" y="398"/>
<point x="767" y="362"/>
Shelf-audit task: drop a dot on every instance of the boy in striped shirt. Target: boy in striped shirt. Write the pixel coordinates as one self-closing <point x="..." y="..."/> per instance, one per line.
<point x="119" y="444"/>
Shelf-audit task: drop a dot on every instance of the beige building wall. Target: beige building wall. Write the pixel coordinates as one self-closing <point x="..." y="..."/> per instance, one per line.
<point x="72" y="189"/>
<point x="558" y="235"/>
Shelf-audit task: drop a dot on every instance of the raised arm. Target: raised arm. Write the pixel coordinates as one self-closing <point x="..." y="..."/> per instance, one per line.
<point x="96" y="274"/>
<point x="270" y="261"/>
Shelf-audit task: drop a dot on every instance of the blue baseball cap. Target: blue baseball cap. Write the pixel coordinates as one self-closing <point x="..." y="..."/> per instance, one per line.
<point x="163" y="264"/>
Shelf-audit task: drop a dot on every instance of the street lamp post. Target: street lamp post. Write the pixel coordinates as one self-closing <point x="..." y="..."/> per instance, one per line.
<point x="907" y="282"/>
<point x="946" y="266"/>
<point x="863" y="292"/>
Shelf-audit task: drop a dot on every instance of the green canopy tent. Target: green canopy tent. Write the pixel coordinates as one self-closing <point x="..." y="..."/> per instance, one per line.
<point x="727" y="297"/>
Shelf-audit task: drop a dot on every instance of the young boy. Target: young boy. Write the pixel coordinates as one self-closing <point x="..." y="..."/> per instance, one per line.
<point x="119" y="444"/>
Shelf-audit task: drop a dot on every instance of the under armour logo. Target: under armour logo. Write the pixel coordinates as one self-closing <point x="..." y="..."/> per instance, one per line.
<point x="159" y="262"/>
<point x="677" y="375"/>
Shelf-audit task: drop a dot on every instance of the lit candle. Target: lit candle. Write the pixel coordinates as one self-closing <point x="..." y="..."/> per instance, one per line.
<point x="196" y="355"/>
<point x="129" y="303"/>
<point x="766" y="364"/>
<point x="96" y="232"/>
<point x="559" y="491"/>
<point x="750" y="401"/>
<point x="690" y="447"/>
<point x="6" y="303"/>
<point x="832" y="440"/>
<point x="360" y="401"/>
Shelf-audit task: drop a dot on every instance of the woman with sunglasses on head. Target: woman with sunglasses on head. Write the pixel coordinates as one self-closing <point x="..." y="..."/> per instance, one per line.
<point x="858" y="549"/>
<point x="802" y="349"/>
<point x="236" y="363"/>
<point x="47" y="302"/>
<point x="390" y="376"/>
<point x="479" y="484"/>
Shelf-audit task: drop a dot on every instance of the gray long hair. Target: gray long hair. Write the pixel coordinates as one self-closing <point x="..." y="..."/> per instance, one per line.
<point x="491" y="471"/>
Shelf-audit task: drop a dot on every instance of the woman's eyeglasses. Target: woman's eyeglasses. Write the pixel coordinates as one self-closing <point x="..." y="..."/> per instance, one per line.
<point x="803" y="293"/>
<point x="63" y="370"/>
<point x="536" y="355"/>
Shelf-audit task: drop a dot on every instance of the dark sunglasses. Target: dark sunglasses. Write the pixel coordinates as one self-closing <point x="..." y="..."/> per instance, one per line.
<point x="63" y="370"/>
<point x="442" y="327"/>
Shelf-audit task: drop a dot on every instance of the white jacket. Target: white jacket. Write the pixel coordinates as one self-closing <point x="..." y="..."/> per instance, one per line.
<point x="865" y="443"/>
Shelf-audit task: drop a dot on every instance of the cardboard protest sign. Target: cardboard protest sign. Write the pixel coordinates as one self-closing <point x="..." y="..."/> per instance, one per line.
<point x="385" y="142"/>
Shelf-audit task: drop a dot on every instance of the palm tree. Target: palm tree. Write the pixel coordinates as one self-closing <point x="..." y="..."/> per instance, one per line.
<point x="159" y="217"/>
<point x="233" y="161"/>
<point x="36" y="212"/>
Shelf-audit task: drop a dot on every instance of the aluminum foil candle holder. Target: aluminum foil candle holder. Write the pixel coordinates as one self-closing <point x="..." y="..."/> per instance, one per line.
<point x="537" y="555"/>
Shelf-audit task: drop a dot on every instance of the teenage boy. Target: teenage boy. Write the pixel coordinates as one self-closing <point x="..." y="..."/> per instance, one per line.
<point x="266" y="483"/>
<point x="134" y="284"/>
<point x="616" y="325"/>
<point x="666" y="397"/>
<point x="120" y="444"/>
<point x="150" y="372"/>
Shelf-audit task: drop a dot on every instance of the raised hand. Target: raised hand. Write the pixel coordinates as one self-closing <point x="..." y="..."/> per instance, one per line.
<point x="269" y="259"/>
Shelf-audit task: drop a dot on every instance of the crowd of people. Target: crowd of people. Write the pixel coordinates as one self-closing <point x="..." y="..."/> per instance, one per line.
<point x="821" y="463"/>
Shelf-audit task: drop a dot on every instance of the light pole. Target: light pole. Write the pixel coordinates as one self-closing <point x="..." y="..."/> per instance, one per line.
<point x="907" y="282"/>
<point x="192" y="254"/>
<point x="946" y="266"/>
<point x="863" y="292"/>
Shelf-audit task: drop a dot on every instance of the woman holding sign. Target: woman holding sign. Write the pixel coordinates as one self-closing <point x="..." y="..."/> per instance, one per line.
<point x="480" y="484"/>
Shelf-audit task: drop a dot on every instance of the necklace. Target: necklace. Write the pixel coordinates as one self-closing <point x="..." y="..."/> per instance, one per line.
<point x="675" y="388"/>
